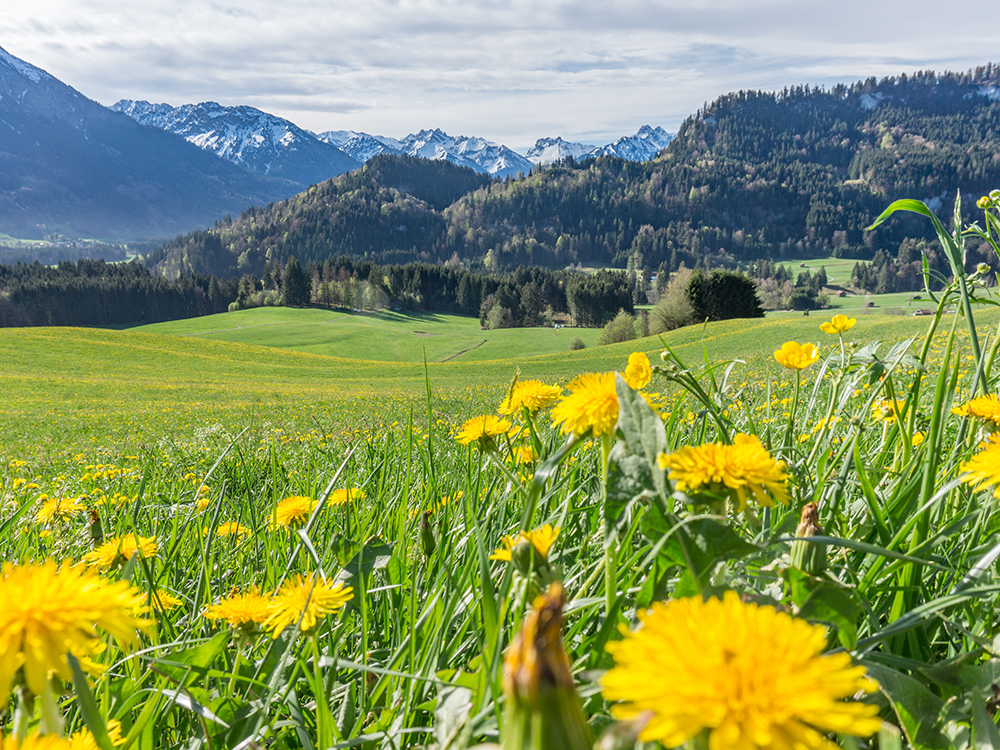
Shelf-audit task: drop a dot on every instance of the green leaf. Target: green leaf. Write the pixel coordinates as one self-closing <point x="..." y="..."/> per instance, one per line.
<point x="88" y="706"/>
<point x="695" y="544"/>
<point x="374" y="555"/>
<point x="642" y="430"/>
<point x="629" y="479"/>
<point x="196" y="659"/>
<point x="831" y="604"/>
<point x="918" y="707"/>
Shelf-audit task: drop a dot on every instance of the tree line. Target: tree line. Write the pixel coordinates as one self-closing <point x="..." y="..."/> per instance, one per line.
<point x="97" y="293"/>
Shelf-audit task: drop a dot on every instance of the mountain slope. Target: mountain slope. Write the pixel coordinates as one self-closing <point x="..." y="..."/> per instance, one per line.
<point x="642" y="146"/>
<point x="246" y="136"/>
<point x="792" y="174"/>
<point x="70" y="166"/>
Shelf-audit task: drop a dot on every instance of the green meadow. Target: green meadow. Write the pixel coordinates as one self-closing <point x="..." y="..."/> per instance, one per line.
<point x="342" y="374"/>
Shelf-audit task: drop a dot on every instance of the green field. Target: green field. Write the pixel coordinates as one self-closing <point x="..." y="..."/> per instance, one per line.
<point x="198" y="446"/>
<point x="379" y="336"/>
<point x="72" y="386"/>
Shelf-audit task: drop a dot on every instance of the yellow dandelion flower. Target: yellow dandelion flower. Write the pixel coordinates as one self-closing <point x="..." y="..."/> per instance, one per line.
<point x="918" y="438"/>
<point x="592" y="405"/>
<point x="752" y="676"/>
<point x="84" y="740"/>
<point x="43" y="742"/>
<point x="743" y="468"/>
<point x="985" y="408"/>
<point x="57" y="509"/>
<point x="119" y="551"/>
<point x="525" y="454"/>
<point x="796" y="356"/>
<point x="305" y="599"/>
<point x="483" y="429"/>
<point x="47" y="611"/>
<point x="294" y="511"/>
<point x="839" y="324"/>
<point x="242" y="611"/>
<point x="639" y="372"/>
<point x="983" y="469"/>
<point x="533" y="395"/>
<point x="229" y="528"/>
<point x="888" y="410"/>
<point x="541" y="539"/>
<point x="164" y="601"/>
<point x="345" y="495"/>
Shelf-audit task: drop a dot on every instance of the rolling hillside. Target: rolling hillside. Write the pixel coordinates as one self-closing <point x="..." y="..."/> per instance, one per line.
<point x="64" y="386"/>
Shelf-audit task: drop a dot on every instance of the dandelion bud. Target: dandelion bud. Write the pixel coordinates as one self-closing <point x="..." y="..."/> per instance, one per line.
<point x="525" y="557"/>
<point x="543" y="711"/>
<point x="806" y="556"/>
<point x="427" y="542"/>
<point x="984" y="202"/>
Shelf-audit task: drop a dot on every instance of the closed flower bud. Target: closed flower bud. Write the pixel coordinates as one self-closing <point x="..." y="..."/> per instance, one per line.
<point x="984" y="202"/>
<point x="427" y="542"/>
<point x="543" y="711"/>
<point x="806" y="556"/>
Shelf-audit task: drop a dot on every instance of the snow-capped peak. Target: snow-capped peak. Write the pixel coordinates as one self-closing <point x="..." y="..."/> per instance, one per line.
<point x="642" y="146"/>
<point x="247" y="136"/>
<point x="26" y="69"/>
<point x="548" y="150"/>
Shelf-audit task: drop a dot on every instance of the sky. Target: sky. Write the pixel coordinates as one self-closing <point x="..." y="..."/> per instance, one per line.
<point x="511" y="71"/>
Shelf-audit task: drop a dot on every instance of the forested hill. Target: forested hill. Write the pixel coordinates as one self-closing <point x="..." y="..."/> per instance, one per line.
<point x="794" y="173"/>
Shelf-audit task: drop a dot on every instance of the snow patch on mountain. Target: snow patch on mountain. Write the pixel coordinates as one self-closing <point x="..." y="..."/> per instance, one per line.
<point x="361" y="146"/>
<point x="548" y="150"/>
<point x="642" y="146"/>
<point x="246" y="136"/>
<point x="29" y="71"/>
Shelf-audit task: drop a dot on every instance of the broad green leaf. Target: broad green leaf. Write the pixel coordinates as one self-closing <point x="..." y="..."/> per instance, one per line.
<point x="196" y="659"/>
<point x="374" y="555"/>
<point x="918" y="706"/>
<point x="832" y="604"/>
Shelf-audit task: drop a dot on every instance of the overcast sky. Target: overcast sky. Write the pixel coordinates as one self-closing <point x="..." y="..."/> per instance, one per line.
<point x="510" y="71"/>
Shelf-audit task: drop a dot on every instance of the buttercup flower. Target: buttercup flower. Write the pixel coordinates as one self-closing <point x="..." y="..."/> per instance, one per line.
<point x="541" y="539"/>
<point x="639" y="372"/>
<point x="307" y="598"/>
<point x="118" y="551"/>
<point x="47" y="611"/>
<point x="591" y="406"/>
<point x="984" y="408"/>
<point x="751" y="676"/>
<point x="242" y="611"/>
<point x="483" y="429"/>
<point x="743" y="468"/>
<point x="294" y="511"/>
<point x="533" y="395"/>
<point x="839" y="324"/>
<point x="345" y="495"/>
<point x="796" y="356"/>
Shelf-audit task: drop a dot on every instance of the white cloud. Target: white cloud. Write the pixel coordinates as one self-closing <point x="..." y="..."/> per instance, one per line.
<point x="510" y="71"/>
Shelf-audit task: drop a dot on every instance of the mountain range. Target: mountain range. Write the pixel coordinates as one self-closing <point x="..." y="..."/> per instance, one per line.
<point x="246" y="136"/>
<point x="69" y="166"/>
<point x="798" y="173"/>
<point x="274" y="146"/>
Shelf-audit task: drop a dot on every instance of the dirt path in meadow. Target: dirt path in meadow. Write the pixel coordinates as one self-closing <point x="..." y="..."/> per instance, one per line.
<point x="459" y="354"/>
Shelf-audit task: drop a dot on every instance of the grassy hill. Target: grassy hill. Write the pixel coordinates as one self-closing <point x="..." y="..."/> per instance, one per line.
<point x="384" y="336"/>
<point x="65" y="387"/>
